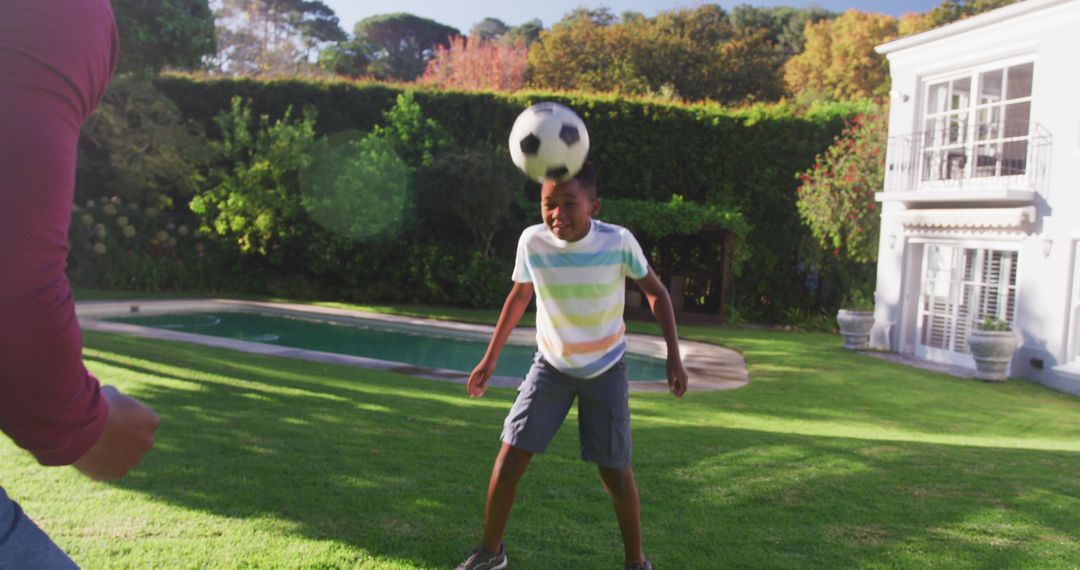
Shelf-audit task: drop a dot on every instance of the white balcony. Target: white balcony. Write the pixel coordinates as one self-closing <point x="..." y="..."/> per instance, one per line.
<point x="990" y="164"/>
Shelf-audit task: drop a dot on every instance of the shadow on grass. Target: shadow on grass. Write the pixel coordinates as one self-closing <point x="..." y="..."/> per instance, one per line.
<point x="808" y="377"/>
<point x="398" y="467"/>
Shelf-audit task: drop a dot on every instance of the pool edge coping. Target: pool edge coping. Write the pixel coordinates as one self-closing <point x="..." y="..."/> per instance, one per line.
<point x="711" y="367"/>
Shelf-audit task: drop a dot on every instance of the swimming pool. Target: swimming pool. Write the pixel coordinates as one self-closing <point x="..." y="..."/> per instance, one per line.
<point x="429" y="347"/>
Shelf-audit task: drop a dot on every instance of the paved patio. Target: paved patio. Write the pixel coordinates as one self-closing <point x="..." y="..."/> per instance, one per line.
<point x="958" y="371"/>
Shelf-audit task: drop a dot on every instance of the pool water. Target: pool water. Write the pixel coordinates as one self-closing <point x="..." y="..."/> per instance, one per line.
<point x="430" y="348"/>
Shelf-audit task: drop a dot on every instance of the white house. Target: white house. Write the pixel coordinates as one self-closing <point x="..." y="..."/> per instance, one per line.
<point x="981" y="205"/>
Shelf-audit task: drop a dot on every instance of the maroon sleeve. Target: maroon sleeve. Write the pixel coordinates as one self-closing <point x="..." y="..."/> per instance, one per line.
<point x="56" y="57"/>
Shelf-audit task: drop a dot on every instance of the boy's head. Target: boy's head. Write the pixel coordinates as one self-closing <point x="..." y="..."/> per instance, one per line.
<point x="567" y="208"/>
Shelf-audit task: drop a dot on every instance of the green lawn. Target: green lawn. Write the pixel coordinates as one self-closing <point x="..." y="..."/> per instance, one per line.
<point x="827" y="459"/>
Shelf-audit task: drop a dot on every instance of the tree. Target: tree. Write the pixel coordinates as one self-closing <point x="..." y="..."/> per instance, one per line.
<point x="952" y="10"/>
<point x="688" y="54"/>
<point x="268" y="37"/>
<point x="478" y="65"/>
<point x="318" y="26"/>
<point x="395" y="46"/>
<point x="836" y="195"/>
<point x="344" y="58"/>
<point x="746" y="70"/>
<point x="601" y="16"/>
<point x="839" y="61"/>
<point x="783" y="26"/>
<point x="914" y="24"/>
<point x="138" y="146"/>
<point x="529" y="32"/>
<point x="163" y="33"/>
<point x="567" y="52"/>
<point x="488" y="29"/>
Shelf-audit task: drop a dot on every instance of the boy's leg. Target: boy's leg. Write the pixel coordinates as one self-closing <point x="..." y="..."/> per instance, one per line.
<point x="624" y="494"/>
<point x="543" y="401"/>
<point x="604" y="426"/>
<point x="510" y="465"/>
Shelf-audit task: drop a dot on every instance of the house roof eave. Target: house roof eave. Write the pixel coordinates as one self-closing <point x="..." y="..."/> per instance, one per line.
<point x="967" y="24"/>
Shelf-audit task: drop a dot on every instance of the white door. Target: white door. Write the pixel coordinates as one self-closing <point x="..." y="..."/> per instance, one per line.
<point x="961" y="286"/>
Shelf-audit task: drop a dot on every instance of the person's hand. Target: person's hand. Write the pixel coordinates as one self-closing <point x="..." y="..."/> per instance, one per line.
<point x="129" y="433"/>
<point x="479" y="378"/>
<point x="676" y="375"/>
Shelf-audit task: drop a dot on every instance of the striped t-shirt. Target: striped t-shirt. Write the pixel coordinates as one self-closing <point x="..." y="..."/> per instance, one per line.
<point x="579" y="290"/>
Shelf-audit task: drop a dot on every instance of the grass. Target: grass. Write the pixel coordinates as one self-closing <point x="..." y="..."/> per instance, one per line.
<point x="827" y="459"/>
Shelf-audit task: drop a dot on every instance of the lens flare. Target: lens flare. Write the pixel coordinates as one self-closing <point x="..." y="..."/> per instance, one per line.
<point x="356" y="186"/>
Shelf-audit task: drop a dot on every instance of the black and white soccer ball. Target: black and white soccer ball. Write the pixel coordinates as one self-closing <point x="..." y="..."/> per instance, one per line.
<point x="549" y="142"/>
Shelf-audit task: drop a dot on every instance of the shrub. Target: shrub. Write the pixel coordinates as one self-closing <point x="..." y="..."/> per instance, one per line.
<point x="415" y="137"/>
<point x="836" y="195"/>
<point x="127" y="246"/>
<point x="357" y="188"/>
<point x="993" y="324"/>
<point x="856" y="300"/>
<point x="252" y="196"/>
<point x="139" y="147"/>
<point x="643" y="149"/>
<point x="478" y="65"/>
<point x="475" y="186"/>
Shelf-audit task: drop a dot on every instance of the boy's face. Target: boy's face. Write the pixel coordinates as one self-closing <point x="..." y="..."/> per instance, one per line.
<point x="567" y="209"/>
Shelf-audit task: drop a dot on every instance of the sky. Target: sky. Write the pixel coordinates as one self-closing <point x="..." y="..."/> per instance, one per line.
<point x="462" y="15"/>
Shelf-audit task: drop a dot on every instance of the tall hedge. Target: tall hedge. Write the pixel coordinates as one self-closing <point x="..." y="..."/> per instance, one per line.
<point x="742" y="158"/>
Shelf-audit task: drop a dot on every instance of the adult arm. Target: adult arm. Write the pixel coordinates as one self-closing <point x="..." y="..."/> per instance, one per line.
<point x="516" y="303"/>
<point x="129" y="433"/>
<point x="55" y="59"/>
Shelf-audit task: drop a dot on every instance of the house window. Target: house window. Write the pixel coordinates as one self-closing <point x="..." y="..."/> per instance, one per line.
<point x="977" y="125"/>
<point x="962" y="286"/>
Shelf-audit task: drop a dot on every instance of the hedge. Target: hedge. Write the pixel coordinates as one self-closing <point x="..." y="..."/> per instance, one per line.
<point x="742" y="159"/>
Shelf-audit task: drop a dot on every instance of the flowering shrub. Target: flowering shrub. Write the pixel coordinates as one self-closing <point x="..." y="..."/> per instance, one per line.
<point x="478" y="65"/>
<point x="836" y="195"/>
<point x="126" y="246"/>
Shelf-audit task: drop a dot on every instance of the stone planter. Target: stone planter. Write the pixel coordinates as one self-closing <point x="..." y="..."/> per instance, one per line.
<point x="993" y="350"/>
<point x="855" y="328"/>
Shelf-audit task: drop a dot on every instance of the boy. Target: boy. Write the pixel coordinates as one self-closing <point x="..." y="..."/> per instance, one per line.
<point x="577" y="267"/>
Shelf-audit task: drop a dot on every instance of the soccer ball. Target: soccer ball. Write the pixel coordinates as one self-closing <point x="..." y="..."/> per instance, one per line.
<point x="549" y="142"/>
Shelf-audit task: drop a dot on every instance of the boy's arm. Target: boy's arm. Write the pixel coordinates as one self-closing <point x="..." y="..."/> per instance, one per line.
<point x="516" y="303"/>
<point x="660" y="303"/>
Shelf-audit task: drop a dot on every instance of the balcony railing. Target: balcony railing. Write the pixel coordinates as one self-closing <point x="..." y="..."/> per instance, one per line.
<point x="960" y="155"/>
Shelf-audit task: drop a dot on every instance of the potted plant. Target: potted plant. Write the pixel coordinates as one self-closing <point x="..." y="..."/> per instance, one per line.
<point x="992" y="344"/>
<point x="856" y="318"/>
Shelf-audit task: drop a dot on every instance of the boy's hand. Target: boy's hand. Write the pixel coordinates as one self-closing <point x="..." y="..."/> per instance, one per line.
<point x="479" y="378"/>
<point x="676" y="376"/>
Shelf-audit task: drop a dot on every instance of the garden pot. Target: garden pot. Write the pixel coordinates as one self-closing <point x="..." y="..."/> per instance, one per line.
<point x="855" y="328"/>
<point x="992" y="350"/>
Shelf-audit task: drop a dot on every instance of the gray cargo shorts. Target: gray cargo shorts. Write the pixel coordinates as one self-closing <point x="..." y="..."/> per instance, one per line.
<point x="544" y="399"/>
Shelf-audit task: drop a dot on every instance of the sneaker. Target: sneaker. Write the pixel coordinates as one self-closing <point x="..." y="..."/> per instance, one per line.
<point x="481" y="559"/>
<point x="646" y="565"/>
